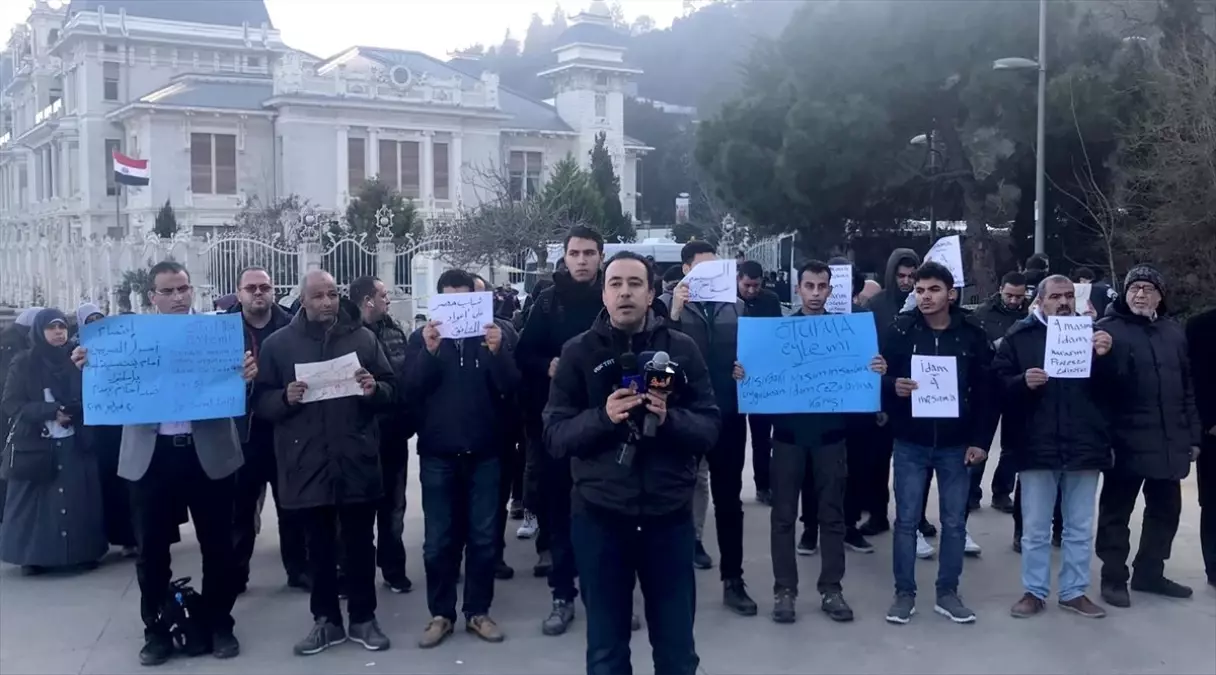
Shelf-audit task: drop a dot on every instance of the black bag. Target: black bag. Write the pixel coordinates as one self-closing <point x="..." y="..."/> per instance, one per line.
<point x="25" y="458"/>
<point x="182" y="615"/>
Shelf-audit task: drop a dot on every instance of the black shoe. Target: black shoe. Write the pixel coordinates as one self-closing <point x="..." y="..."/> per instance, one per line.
<point x="854" y="540"/>
<point x="1116" y="595"/>
<point x="926" y="528"/>
<point x="369" y="635"/>
<point x="764" y="497"/>
<point x="400" y="584"/>
<point x="157" y="650"/>
<point x="1017" y="544"/>
<point x="559" y="619"/>
<point x="836" y="608"/>
<point x="808" y="543"/>
<point x="874" y="526"/>
<point x="324" y="634"/>
<point x="503" y="571"/>
<point x="543" y="566"/>
<point x="735" y="597"/>
<point x="1002" y="503"/>
<point x="300" y="581"/>
<point x="32" y="570"/>
<point x="1161" y="586"/>
<point x="783" y="607"/>
<point x="701" y="559"/>
<point x="224" y="645"/>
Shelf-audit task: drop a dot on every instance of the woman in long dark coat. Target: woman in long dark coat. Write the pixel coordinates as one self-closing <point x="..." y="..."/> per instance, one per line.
<point x="54" y="523"/>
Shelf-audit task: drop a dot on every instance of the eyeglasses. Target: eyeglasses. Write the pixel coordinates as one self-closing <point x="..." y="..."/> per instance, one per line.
<point x="1145" y="289"/>
<point x="170" y="292"/>
<point x="258" y="288"/>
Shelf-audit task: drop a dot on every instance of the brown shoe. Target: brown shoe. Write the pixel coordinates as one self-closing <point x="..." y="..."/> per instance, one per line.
<point x="484" y="627"/>
<point x="436" y="632"/>
<point x="1027" y="607"/>
<point x="1084" y="606"/>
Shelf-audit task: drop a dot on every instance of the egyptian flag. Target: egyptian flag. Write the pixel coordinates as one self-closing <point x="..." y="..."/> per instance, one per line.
<point x="129" y="171"/>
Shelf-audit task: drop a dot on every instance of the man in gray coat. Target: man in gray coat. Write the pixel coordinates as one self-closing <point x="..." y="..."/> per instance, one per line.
<point x="174" y="466"/>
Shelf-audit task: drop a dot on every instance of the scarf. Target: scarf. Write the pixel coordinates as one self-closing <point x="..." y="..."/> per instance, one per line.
<point x="53" y="365"/>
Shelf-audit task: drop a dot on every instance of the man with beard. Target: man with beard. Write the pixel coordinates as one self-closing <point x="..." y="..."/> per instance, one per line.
<point x="1200" y="333"/>
<point x="897" y="283"/>
<point x="328" y="456"/>
<point x="997" y="315"/>
<point x="176" y="466"/>
<point x="758" y="302"/>
<point x="372" y="298"/>
<point x="1155" y="433"/>
<point x="262" y="316"/>
<point x="1056" y="436"/>
<point x="561" y="312"/>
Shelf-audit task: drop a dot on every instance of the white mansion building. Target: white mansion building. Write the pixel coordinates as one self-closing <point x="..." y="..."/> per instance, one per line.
<point x="224" y="111"/>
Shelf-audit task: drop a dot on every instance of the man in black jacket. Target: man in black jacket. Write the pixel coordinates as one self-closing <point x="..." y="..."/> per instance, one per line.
<point x="997" y="315"/>
<point x="463" y="391"/>
<point x="1056" y="436"/>
<point x="1100" y="292"/>
<point x="632" y="500"/>
<point x="262" y="318"/>
<point x="328" y="455"/>
<point x="1155" y="433"/>
<point x="372" y="297"/>
<point x="561" y="312"/>
<point x="947" y="446"/>
<point x="1200" y="336"/>
<point x="759" y="302"/>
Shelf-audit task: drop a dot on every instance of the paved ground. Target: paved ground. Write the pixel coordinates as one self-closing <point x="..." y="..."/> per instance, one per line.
<point x="90" y="623"/>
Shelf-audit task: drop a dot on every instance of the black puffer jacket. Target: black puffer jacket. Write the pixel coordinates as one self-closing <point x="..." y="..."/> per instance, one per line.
<point x="328" y="452"/>
<point x="1061" y="426"/>
<point x="259" y="434"/>
<point x="978" y="408"/>
<point x="888" y="303"/>
<point x="661" y="478"/>
<point x="996" y="318"/>
<point x="1154" y="420"/>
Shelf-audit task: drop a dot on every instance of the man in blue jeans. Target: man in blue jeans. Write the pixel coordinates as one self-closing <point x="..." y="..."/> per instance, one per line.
<point x="948" y="446"/>
<point x="1058" y="438"/>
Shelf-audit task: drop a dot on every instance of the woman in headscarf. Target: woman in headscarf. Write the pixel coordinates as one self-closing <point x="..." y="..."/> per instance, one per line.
<point x="13" y="340"/>
<point x="55" y="523"/>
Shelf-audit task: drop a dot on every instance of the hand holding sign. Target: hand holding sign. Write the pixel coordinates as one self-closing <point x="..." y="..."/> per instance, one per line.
<point x="1070" y="346"/>
<point x="461" y="315"/>
<point x="841" y="299"/>
<point x="936" y="391"/>
<point x="335" y="378"/>
<point x="712" y="281"/>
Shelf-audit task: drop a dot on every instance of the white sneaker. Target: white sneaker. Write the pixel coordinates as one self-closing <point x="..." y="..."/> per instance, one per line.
<point x="924" y="550"/>
<point x="970" y="547"/>
<point x="527" y="529"/>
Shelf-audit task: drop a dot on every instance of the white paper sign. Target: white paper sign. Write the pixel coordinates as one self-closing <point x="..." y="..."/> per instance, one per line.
<point x="841" y="300"/>
<point x="948" y="252"/>
<point x="936" y="393"/>
<point x="1082" y="295"/>
<point x="334" y="378"/>
<point x="463" y="315"/>
<point x="1070" y="346"/>
<point x="713" y="281"/>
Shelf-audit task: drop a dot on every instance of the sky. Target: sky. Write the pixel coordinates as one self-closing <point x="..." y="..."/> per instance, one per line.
<point x="436" y="27"/>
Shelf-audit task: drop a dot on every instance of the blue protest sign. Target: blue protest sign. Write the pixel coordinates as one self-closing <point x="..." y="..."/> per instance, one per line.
<point x="151" y="368"/>
<point x="808" y="364"/>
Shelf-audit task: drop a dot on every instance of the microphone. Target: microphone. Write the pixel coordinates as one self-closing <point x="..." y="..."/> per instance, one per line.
<point x="659" y="374"/>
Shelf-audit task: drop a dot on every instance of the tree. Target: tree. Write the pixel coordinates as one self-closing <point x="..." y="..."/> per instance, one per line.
<point x="616" y="226"/>
<point x="572" y="196"/>
<point x="642" y="24"/>
<point x="370" y="197"/>
<point x="266" y="220"/>
<point x="166" y="222"/>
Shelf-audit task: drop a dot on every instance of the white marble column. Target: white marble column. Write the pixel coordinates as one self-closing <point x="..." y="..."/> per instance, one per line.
<point x="63" y="174"/>
<point x="428" y="169"/>
<point x="343" y="183"/>
<point x="372" y="153"/>
<point x="456" y="169"/>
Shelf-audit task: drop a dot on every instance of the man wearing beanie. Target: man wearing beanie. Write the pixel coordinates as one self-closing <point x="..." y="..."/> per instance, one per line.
<point x="1155" y="433"/>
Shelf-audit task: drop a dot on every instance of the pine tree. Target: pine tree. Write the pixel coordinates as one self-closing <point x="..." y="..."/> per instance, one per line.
<point x="166" y="222"/>
<point x="617" y="227"/>
<point x="571" y="195"/>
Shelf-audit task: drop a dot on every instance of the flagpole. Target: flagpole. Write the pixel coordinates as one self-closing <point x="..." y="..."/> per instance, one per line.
<point x="117" y="205"/>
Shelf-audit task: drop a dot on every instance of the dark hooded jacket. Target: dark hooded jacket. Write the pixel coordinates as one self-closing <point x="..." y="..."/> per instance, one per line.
<point x="766" y="304"/>
<point x="996" y="317"/>
<point x="1154" y="422"/>
<point x="13" y="341"/>
<point x="978" y="408"/>
<point x="1061" y="426"/>
<point x="714" y="328"/>
<point x="254" y="432"/>
<point x="888" y="303"/>
<point x="328" y="452"/>
<point x="660" y="479"/>
<point x="463" y="396"/>
<point x="35" y="370"/>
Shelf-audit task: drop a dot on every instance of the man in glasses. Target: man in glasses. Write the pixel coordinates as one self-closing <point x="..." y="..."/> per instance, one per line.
<point x="262" y="317"/>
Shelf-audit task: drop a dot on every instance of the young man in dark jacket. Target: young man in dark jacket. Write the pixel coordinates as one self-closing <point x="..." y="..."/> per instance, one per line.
<point x="632" y="501"/>
<point x="1155" y="433"/>
<point x="714" y="327"/>
<point x="1200" y="336"/>
<point x="462" y="390"/>
<point x="759" y="302"/>
<point x="328" y="455"/>
<point x="262" y="317"/>
<point x="1056" y="436"/>
<point x="945" y="446"/>
<point x="372" y="297"/>
<point x="561" y="312"/>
